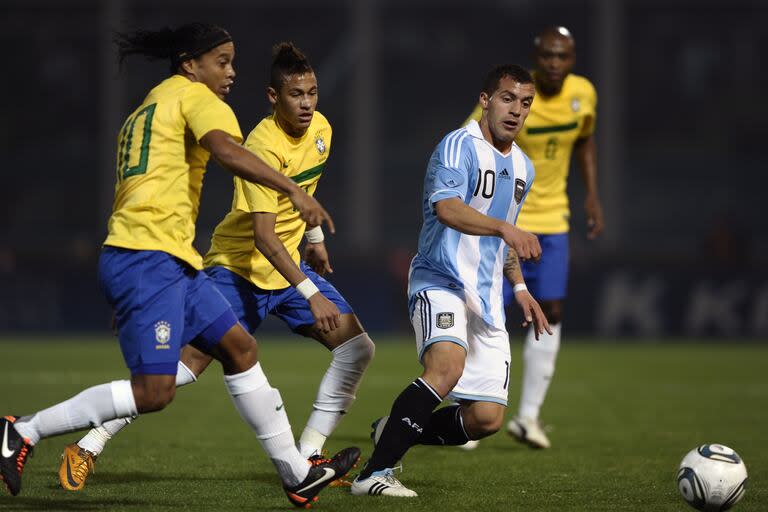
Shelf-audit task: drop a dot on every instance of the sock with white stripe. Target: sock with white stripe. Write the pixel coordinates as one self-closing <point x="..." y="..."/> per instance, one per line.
<point x="539" y="367"/>
<point x="445" y="428"/>
<point x="410" y="413"/>
<point x="96" y="439"/>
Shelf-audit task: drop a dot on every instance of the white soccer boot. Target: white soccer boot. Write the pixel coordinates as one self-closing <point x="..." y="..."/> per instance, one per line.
<point x="381" y="483"/>
<point x="469" y="445"/>
<point x="528" y="431"/>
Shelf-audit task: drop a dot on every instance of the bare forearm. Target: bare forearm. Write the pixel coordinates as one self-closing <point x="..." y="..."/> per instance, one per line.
<point x="268" y="244"/>
<point x="457" y="215"/>
<point x="512" y="270"/>
<point x="274" y="250"/>
<point x="244" y="164"/>
<point x="586" y="158"/>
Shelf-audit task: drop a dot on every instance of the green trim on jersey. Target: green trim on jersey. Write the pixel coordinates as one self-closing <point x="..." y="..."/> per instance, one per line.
<point x="551" y="129"/>
<point x="308" y="174"/>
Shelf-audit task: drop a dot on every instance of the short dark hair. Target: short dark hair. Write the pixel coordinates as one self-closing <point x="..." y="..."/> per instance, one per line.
<point x="517" y="73"/>
<point x="183" y="43"/>
<point x="287" y="60"/>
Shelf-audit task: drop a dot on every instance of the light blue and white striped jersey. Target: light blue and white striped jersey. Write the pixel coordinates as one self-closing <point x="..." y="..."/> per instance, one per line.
<point x="466" y="166"/>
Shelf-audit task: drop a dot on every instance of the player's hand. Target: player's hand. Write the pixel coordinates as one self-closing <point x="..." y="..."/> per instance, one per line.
<point x="525" y="244"/>
<point x="316" y="256"/>
<point x="310" y="210"/>
<point x="532" y="313"/>
<point x="595" y="221"/>
<point x="327" y="315"/>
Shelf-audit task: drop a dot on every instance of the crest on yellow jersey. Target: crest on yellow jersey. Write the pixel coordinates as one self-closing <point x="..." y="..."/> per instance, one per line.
<point x="319" y="143"/>
<point x="575" y="104"/>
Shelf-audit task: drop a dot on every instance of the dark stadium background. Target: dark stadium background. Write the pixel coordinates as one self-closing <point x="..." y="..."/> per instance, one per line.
<point x="681" y="139"/>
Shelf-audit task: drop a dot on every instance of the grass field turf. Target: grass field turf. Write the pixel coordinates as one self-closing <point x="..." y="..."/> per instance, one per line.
<point x="623" y="417"/>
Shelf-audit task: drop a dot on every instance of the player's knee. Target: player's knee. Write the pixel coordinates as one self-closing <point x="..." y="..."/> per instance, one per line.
<point x="154" y="399"/>
<point x="444" y="377"/>
<point x="484" y="425"/>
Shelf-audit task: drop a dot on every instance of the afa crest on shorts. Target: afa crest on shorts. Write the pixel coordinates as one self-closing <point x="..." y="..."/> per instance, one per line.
<point x="162" y="335"/>
<point x="320" y="143"/>
<point x="444" y="320"/>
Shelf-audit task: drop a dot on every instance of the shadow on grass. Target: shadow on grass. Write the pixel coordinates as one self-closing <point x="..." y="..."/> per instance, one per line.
<point x="53" y="504"/>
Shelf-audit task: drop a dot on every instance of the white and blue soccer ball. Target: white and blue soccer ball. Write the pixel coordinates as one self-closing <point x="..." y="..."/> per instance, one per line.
<point x="712" y="477"/>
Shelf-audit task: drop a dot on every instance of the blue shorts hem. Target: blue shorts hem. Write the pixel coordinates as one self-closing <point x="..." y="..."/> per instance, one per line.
<point x="156" y="369"/>
<point x="212" y="334"/>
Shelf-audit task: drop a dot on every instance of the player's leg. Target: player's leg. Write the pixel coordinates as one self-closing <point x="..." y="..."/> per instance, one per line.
<point x="259" y="404"/>
<point x="439" y="319"/>
<point x="125" y="275"/>
<point x="78" y="459"/>
<point x="481" y="391"/>
<point x="539" y="356"/>
<point x="351" y="349"/>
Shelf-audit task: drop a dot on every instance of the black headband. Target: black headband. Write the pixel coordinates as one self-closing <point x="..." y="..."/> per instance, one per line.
<point x="191" y="49"/>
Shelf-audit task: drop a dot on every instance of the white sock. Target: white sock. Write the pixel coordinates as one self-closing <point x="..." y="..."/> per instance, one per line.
<point x="96" y="439"/>
<point x="261" y="406"/>
<point x="93" y="406"/>
<point x="336" y="392"/>
<point x="538" y="368"/>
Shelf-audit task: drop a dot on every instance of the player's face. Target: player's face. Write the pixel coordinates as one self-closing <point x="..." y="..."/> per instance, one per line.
<point x="295" y="102"/>
<point x="554" y="58"/>
<point x="214" y="69"/>
<point x="507" y="108"/>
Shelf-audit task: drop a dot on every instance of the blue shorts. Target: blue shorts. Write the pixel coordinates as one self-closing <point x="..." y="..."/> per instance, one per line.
<point x="251" y="304"/>
<point x="161" y="304"/>
<point x="547" y="279"/>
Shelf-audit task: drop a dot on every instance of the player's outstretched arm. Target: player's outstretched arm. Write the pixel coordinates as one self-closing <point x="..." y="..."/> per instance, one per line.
<point x="248" y="166"/>
<point x="531" y="309"/>
<point x="327" y="315"/>
<point x="586" y="156"/>
<point x="455" y="214"/>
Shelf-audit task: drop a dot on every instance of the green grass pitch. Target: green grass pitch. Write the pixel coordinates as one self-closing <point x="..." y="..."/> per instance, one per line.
<point x="623" y="416"/>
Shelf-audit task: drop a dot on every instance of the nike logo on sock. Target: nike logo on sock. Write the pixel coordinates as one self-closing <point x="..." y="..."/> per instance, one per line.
<point x="7" y="452"/>
<point x="329" y="474"/>
<point x="279" y="407"/>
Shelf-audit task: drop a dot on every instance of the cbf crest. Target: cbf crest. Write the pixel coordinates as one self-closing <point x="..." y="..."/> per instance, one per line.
<point x="444" y="320"/>
<point x="162" y="335"/>
<point x="320" y="143"/>
<point x="575" y="104"/>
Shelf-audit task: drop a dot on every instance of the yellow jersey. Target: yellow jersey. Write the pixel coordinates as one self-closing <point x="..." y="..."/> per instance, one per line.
<point x="548" y="137"/>
<point x="160" y="167"/>
<point x="300" y="159"/>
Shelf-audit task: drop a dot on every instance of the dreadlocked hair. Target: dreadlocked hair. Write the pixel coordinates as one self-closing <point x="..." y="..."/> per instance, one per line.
<point x="180" y="44"/>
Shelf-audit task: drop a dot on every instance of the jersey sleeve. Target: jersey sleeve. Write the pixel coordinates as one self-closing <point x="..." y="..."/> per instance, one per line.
<point x="258" y="198"/>
<point x="590" y="106"/>
<point x="449" y="169"/>
<point x="205" y="112"/>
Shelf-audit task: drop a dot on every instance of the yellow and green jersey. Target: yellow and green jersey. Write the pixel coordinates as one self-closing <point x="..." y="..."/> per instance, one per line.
<point x="300" y="159"/>
<point x="160" y="167"/>
<point x="548" y="137"/>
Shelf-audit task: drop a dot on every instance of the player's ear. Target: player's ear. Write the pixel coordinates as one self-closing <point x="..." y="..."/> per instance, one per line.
<point x="188" y="67"/>
<point x="484" y="99"/>
<point x="272" y="96"/>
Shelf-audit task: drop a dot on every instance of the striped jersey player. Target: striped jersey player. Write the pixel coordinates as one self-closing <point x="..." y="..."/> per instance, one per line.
<point x="475" y="185"/>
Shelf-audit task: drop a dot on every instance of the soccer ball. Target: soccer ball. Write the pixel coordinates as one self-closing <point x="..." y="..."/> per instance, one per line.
<point x="712" y="477"/>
